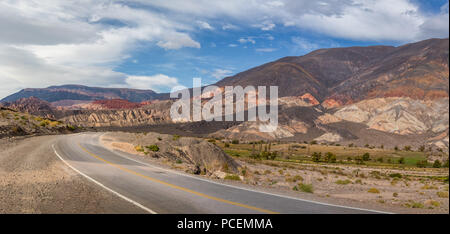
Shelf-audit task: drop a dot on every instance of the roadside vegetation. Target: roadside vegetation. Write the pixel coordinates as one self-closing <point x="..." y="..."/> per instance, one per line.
<point x="335" y="154"/>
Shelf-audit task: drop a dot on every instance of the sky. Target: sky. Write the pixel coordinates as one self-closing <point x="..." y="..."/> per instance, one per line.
<point x="160" y="44"/>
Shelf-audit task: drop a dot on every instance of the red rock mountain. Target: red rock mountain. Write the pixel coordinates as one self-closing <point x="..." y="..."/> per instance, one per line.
<point x="341" y="76"/>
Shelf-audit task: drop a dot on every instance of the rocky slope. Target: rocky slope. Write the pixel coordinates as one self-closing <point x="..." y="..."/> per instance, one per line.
<point x="14" y="123"/>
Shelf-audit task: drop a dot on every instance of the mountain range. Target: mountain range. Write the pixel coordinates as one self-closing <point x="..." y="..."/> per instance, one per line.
<point x="380" y="94"/>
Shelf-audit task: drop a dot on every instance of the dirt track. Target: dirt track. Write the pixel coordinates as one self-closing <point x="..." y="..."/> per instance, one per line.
<point x="34" y="180"/>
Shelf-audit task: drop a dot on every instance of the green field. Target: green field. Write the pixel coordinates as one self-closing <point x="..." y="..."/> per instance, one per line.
<point x="344" y="154"/>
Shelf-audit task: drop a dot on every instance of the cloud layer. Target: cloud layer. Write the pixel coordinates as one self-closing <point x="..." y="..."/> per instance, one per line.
<point x="49" y="42"/>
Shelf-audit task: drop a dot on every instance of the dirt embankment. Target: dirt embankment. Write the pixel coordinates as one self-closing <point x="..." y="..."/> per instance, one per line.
<point x="34" y="180"/>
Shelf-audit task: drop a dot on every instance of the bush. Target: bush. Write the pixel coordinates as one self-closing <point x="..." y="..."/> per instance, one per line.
<point x="307" y="188"/>
<point x="407" y="148"/>
<point x="373" y="190"/>
<point x="71" y="128"/>
<point x="176" y="137"/>
<point x="139" y="148"/>
<point x="396" y="175"/>
<point x="153" y="148"/>
<point x="366" y="157"/>
<point x="316" y="157"/>
<point x="313" y="143"/>
<point x="422" y="148"/>
<point x="446" y="164"/>
<point x="437" y="164"/>
<point x="442" y="194"/>
<point x="294" y="179"/>
<point x="417" y="205"/>
<point x="422" y="164"/>
<point x="343" y="182"/>
<point x="212" y="141"/>
<point x="330" y="157"/>
<point x="235" y="142"/>
<point x="227" y="145"/>
<point x="179" y="161"/>
<point x="401" y="160"/>
<point x="232" y="177"/>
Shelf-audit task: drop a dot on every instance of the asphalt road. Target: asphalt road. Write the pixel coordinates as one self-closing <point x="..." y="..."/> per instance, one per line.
<point x="158" y="190"/>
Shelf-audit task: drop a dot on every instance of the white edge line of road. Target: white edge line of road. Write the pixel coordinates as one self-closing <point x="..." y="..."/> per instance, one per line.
<point x="103" y="186"/>
<point x="118" y="153"/>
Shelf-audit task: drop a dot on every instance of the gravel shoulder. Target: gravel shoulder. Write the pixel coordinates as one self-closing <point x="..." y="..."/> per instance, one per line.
<point x="33" y="180"/>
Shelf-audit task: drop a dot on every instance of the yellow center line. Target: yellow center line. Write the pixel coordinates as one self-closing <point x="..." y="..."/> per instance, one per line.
<point x="176" y="186"/>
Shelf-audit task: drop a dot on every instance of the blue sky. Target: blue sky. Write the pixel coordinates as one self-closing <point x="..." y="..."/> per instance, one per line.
<point x="160" y="44"/>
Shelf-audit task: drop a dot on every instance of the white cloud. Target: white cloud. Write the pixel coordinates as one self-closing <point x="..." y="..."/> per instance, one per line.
<point x="157" y="82"/>
<point x="245" y="40"/>
<point x="304" y="45"/>
<point x="204" y="25"/>
<point x="266" y="50"/>
<point x="265" y="25"/>
<point x="221" y="73"/>
<point x="232" y="45"/>
<point x="229" y="26"/>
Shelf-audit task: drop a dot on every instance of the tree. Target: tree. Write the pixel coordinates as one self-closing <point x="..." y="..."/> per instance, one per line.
<point x="316" y="157"/>
<point x="446" y="164"/>
<point x="437" y="164"/>
<point x="422" y="164"/>
<point x="422" y="148"/>
<point x="330" y="157"/>
<point x="366" y="157"/>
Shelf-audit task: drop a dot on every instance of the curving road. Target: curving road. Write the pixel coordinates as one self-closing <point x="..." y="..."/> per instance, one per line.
<point x="158" y="190"/>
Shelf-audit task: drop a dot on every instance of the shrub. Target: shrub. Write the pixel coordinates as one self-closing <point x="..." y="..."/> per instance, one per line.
<point x="232" y="177"/>
<point x="395" y="194"/>
<point x="422" y="148"/>
<point x="294" y="179"/>
<point x="227" y="145"/>
<point x="159" y="139"/>
<point x="422" y="164"/>
<point x="407" y="148"/>
<point x="313" y="143"/>
<point x="373" y="190"/>
<point x="176" y="137"/>
<point x="366" y="157"/>
<point x="380" y="160"/>
<point x="442" y="194"/>
<point x="343" y="182"/>
<point x="330" y="157"/>
<point x="307" y="188"/>
<point x="396" y="175"/>
<point x="179" y="161"/>
<point x="153" y="148"/>
<point x="446" y="164"/>
<point x="437" y="164"/>
<point x="316" y="157"/>
<point x="401" y="160"/>
<point x="417" y="205"/>
<point x="139" y="148"/>
<point x="71" y="128"/>
<point x="235" y="142"/>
